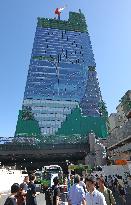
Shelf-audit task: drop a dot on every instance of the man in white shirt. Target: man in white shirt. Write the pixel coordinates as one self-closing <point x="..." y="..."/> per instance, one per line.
<point x="93" y="196"/>
<point x="76" y="195"/>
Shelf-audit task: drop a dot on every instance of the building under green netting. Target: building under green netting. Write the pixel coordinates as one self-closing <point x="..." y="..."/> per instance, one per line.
<point x="62" y="99"/>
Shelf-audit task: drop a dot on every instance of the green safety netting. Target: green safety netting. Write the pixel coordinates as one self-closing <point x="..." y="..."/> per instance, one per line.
<point x="103" y="109"/>
<point x="27" y="126"/>
<point x="76" y="22"/>
<point x="83" y="125"/>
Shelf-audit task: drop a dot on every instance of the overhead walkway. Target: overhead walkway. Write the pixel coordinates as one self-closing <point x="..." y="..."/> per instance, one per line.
<point x="48" y="152"/>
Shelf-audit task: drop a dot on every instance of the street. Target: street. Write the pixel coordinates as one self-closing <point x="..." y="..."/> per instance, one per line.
<point x="40" y="199"/>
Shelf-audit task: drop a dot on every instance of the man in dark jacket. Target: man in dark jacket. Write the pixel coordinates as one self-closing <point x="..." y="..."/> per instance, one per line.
<point x="31" y="191"/>
<point x="12" y="200"/>
<point x="56" y="191"/>
<point x="21" y="198"/>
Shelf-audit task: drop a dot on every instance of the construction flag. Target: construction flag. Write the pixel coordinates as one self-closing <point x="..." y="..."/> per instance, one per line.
<point x="58" y="11"/>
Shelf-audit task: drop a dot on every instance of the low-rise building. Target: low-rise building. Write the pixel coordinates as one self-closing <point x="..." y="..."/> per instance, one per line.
<point x="119" y="140"/>
<point x="117" y="120"/>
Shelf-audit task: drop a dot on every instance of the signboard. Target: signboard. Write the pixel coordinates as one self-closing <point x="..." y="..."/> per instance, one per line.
<point x="76" y="167"/>
<point x="121" y="162"/>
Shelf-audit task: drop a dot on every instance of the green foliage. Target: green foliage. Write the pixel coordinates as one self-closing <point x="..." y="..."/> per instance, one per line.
<point x="126" y="103"/>
<point x="92" y="68"/>
<point x="43" y="58"/>
<point x="46" y="182"/>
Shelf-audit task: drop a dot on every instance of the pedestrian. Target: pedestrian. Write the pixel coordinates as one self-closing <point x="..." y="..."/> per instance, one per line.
<point x="12" y="199"/>
<point x="31" y="191"/>
<point x="110" y="182"/>
<point x="120" y="181"/>
<point x="106" y="180"/>
<point x="56" y="191"/>
<point x="115" y="183"/>
<point x="48" y="196"/>
<point x="76" y="195"/>
<point x="93" y="196"/>
<point x="21" y="198"/>
<point x="72" y="179"/>
<point x="122" y="192"/>
<point x="0" y="194"/>
<point x="68" y="183"/>
<point x="24" y="185"/>
<point x="82" y="183"/>
<point x="110" y="200"/>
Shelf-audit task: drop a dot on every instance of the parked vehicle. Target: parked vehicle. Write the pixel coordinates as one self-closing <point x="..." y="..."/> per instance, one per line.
<point x="48" y="174"/>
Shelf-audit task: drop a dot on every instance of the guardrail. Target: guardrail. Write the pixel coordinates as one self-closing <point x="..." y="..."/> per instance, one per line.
<point x="18" y="147"/>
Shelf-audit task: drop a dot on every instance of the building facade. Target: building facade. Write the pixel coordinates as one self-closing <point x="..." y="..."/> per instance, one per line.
<point x="62" y="94"/>
<point x="119" y="140"/>
<point x="118" y="119"/>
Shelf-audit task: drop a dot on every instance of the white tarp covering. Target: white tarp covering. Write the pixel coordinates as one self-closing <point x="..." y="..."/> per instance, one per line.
<point x="7" y="178"/>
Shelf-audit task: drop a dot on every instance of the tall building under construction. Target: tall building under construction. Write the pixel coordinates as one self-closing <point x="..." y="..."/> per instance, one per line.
<point x="62" y="94"/>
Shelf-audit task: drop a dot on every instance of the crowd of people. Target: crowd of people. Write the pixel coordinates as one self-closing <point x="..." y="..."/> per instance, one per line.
<point x="93" y="190"/>
<point x="91" y="195"/>
<point x="96" y="190"/>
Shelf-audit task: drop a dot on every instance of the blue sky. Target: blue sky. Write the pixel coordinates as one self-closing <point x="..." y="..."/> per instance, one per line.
<point x="110" y="31"/>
